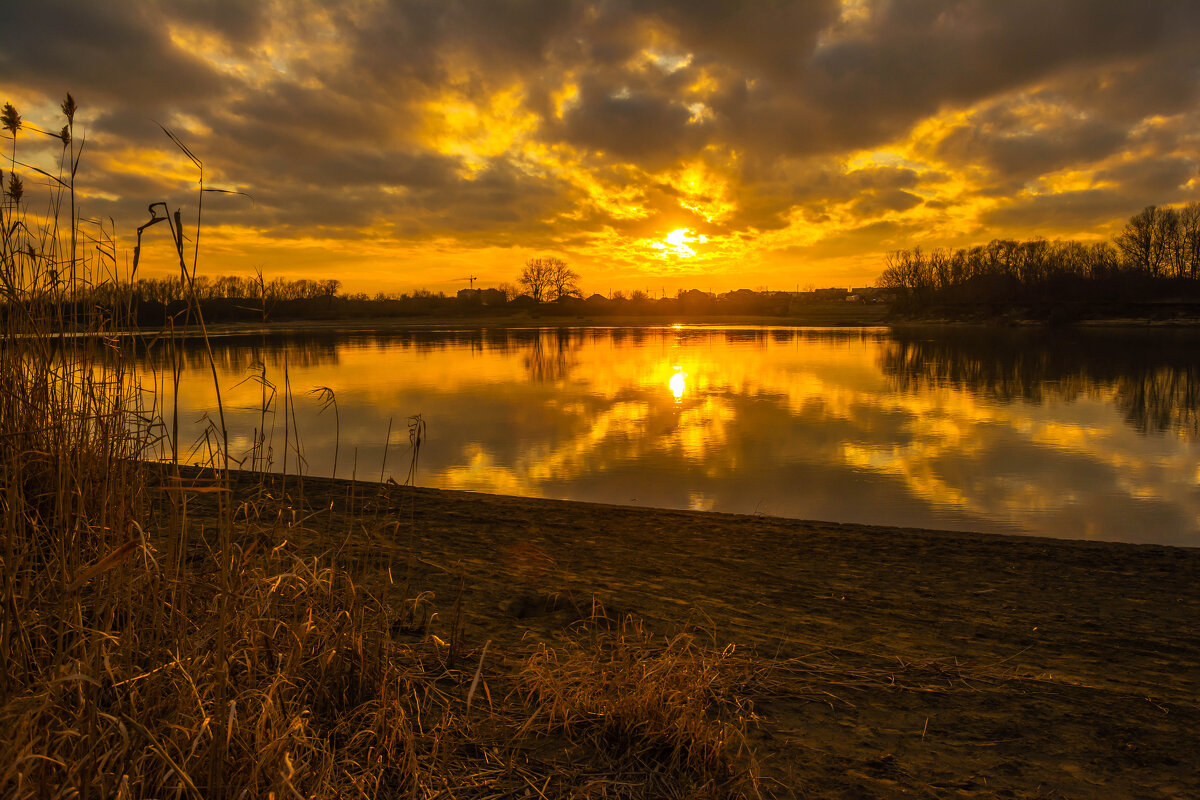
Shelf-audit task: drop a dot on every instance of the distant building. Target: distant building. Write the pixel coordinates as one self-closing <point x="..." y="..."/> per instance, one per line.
<point x="871" y="294"/>
<point x="493" y="297"/>
<point x="482" y="297"/>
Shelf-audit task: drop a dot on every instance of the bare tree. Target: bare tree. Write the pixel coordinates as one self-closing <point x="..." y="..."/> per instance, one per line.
<point x="1142" y="243"/>
<point x="1098" y="260"/>
<point x="538" y="276"/>
<point x="510" y="291"/>
<point x="564" y="281"/>
<point x="1189" y="234"/>
<point x="1170" y="231"/>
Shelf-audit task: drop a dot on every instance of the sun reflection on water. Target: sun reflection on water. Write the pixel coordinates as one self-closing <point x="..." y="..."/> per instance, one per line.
<point x="678" y="383"/>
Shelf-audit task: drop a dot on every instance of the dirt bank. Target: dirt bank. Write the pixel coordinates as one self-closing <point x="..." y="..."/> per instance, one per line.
<point x="911" y="662"/>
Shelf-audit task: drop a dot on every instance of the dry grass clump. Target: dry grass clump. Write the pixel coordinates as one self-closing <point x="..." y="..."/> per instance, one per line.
<point x="324" y="691"/>
<point x="313" y="698"/>
<point x="671" y="711"/>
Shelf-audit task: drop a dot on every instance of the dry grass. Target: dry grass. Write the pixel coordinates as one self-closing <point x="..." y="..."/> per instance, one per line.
<point x="330" y="693"/>
<point x="673" y="710"/>
<point x="146" y="655"/>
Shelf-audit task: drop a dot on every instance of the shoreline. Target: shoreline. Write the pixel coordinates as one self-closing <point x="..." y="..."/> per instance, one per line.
<point x="970" y="663"/>
<point x="373" y="324"/>
<point x="443" y="324"/>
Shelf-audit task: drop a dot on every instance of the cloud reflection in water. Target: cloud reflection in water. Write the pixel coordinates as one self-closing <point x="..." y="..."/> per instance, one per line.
<point x="1066" y="435"/>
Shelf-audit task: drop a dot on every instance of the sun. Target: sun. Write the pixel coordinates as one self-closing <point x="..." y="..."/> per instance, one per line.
<point x="677" y="243"/>
<point x="678" y="237"/>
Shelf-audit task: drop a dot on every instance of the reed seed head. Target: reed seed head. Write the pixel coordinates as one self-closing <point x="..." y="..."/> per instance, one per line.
<point x="16" y="189"/>
<point x="68" y="109"/>
<point x="10" y="119"/>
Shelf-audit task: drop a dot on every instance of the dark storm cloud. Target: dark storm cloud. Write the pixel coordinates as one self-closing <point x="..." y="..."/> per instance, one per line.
<point x="1152" y="177"/>
<point x="500" y="193"/>
<point x="880" y="202"/>
<point x="1164" y="80"/>
<point x="1124" y="190"/>
<point x="914" y="57"/>
<point x="880" y="234"/>
<point x="1072" y="211"/>
<point x="239" y="22"/>
<point x="112" y="52"/>
<point x="282" y="112"/>
<point x="322" y="111"/>
<point x="771" y="40"/>
<point x="763" y="200"/>
<point x="1015" y="147"/>
<point x="647" y="130"/>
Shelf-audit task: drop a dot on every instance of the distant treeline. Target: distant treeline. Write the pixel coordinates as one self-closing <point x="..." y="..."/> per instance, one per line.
<point x="152" y="301"/>
<point x="223" y="298"/>
<point x="233" y="287"/>
<point x="1156" y="256"/>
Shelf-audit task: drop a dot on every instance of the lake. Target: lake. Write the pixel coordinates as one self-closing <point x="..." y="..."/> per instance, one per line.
<point x="1088" y="434"/>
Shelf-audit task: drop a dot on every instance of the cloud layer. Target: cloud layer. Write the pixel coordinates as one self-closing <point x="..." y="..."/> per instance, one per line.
<point x="399" y="143"/>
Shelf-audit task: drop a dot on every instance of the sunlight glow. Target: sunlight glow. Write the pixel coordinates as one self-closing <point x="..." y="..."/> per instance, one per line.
<point x="678" y="383"/>
<point x="676" y="243"/>
<point x="477" y="133"/>
<point x="669" y="62"/>
<point x="703" y="191"/>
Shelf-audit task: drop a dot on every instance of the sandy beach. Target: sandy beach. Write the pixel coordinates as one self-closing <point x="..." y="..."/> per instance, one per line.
<point x="909" y="662"/>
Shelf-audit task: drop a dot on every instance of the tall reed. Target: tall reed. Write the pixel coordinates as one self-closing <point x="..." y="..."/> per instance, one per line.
<point x="74" y="427"/>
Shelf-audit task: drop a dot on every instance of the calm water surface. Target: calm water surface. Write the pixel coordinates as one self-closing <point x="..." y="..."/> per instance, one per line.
<point x="1089" y="435"/>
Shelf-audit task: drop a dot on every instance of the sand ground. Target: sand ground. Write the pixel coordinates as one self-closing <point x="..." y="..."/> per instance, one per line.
<point x="913" y="663"/>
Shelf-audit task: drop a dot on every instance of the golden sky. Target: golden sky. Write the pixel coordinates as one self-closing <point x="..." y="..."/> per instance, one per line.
<point x="653" y="145"/>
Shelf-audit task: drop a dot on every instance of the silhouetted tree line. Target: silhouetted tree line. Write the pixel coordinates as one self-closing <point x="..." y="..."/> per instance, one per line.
<point x="227" y="298"/>
<point x="234" y="287"/>
<point x="693" y="302"/>
<point x="151" y="302"/>
<point x="1157" y="255"/>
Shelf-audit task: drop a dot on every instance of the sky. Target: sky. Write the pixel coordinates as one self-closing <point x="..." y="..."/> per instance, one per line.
<point x="653" y="145"/>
